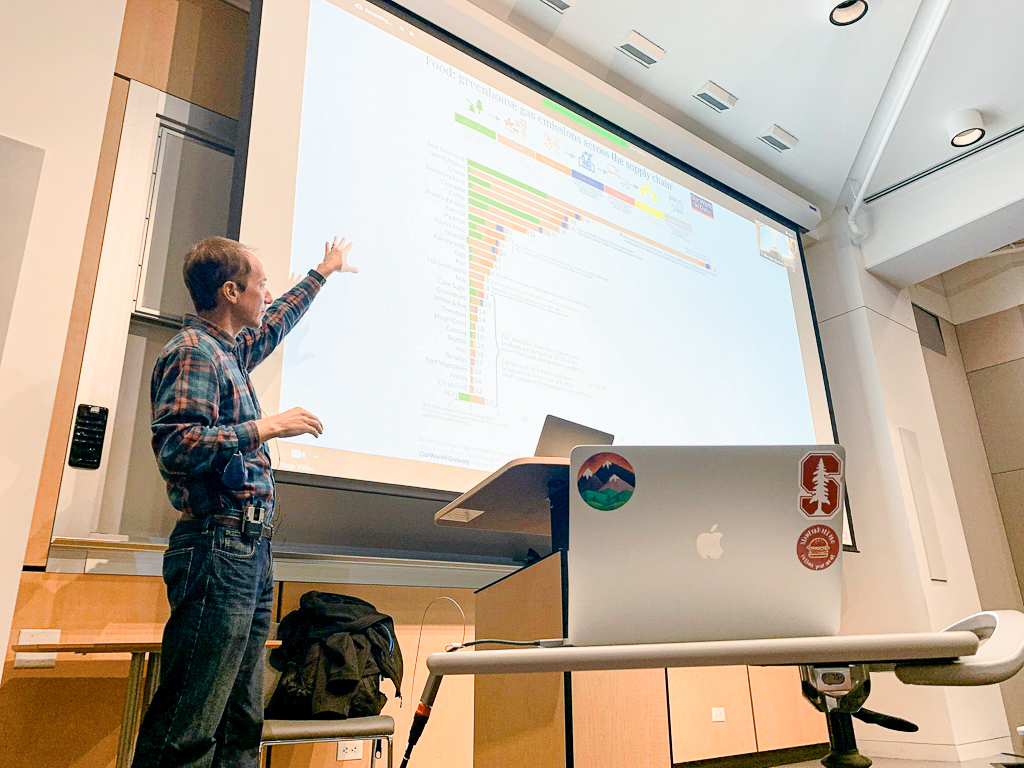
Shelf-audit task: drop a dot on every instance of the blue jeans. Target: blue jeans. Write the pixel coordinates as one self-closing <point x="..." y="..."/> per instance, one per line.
<point x="208" y="708"/>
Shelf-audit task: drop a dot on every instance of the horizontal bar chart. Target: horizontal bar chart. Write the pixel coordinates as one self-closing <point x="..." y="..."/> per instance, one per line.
<point x="487" y="176"/>
<point x="500" y="205"/>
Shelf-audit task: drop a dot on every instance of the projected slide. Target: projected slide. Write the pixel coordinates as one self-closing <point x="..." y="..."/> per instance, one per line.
<point x="517" y="260"/>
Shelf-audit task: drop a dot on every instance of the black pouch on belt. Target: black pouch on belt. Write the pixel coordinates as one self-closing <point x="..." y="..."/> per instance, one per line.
<point x="252" y="521"/>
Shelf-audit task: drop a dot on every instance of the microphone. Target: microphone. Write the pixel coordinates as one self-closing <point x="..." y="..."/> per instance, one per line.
<point x="419" y="719"/>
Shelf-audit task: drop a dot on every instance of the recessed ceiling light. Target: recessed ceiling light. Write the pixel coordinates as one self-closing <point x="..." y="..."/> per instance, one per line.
<point x="559" y="5"/>
<point x="778" y="139"/>
<point x="715" y="96"/>
<point x="640" y="49"/>
<point x="965" y="127"/>
<point x="848" y="12"/>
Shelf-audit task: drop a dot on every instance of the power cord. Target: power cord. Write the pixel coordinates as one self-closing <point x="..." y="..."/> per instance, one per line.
<point x="552" y="643"/>
<point x="419" y="637"/>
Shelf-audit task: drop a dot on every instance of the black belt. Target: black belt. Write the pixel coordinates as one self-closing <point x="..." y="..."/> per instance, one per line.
<point x="237" y="521"/>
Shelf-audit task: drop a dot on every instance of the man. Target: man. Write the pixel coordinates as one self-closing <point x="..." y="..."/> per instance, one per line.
<point x="210" y="445"/>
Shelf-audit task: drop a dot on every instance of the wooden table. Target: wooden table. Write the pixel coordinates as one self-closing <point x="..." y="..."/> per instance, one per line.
<point x="143" y="676"/>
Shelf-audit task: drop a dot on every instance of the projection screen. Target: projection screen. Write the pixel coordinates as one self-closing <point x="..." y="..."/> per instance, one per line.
<point x="517" y="258"/>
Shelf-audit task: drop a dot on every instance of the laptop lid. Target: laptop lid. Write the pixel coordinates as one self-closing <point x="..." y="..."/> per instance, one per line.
<point x="677" y="544"/>
<point x="558" y="437"/>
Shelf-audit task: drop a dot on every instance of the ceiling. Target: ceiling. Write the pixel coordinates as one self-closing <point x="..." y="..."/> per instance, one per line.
<point x="976" y="62"/>
<point x="789" y="66"/>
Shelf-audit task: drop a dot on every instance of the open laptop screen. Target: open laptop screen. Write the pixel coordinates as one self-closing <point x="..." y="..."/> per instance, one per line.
<point x="558" y="437"/>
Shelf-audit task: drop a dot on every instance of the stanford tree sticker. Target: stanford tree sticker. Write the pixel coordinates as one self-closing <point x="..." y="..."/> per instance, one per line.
<point x="821" y="492"/>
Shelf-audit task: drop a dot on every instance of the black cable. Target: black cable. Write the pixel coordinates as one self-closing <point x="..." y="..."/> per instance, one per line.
<point x="457" y="646"/>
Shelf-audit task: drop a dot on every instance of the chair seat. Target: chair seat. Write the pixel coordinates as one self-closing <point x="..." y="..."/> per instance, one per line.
<point x="308" y="730"/>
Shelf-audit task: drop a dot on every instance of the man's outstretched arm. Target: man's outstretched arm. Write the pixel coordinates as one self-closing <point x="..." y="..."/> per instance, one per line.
<point x="254" y="345"/>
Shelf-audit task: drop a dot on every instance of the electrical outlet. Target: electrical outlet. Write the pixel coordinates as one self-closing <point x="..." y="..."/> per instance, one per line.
<point x="718" y="714"/>
<point x="350" y="750"/>
<point x="36" y="660"/>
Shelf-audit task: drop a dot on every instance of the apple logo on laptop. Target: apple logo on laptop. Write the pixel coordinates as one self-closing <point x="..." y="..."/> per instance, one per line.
<point x="709" y="545"/>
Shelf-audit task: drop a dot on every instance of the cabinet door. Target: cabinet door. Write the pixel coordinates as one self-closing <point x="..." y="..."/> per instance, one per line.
<point x="188" y="201"/>
<point x="695" y="694"/>
<point x="619" y="718"/>
<point x="782" y="716"/>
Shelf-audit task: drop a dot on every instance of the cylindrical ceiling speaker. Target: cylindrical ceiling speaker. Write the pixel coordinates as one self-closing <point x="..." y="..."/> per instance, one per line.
<point x="965" y="127"/>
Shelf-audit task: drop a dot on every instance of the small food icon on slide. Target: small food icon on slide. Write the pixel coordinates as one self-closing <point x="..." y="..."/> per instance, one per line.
<point x="606" y="481"/>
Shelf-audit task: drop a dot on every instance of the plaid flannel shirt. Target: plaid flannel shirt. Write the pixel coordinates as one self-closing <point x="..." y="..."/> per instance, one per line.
<point x="205" y="407"/>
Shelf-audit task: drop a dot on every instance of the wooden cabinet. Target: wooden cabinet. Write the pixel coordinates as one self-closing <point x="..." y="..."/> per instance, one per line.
<point x="82" y="698"/>
<point x="764" y="710"/>
<point x="520" y="719"/>
<point x="620" y="718"/>
<point x="627" y="718"/>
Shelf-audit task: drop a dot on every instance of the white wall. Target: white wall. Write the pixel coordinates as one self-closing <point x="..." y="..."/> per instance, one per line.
<point x="880" y="385"/>
<point x="58" y="64"/>
<point x="983" y="287"/>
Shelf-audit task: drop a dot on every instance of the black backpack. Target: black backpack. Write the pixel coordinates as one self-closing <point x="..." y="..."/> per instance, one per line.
<point x="335" y="648"/>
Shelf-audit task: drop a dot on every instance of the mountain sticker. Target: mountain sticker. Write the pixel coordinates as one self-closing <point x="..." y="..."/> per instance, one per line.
<point x="606" y="481"/>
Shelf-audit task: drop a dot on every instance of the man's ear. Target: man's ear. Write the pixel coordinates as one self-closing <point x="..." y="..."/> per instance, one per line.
<point x="230" y="292"/>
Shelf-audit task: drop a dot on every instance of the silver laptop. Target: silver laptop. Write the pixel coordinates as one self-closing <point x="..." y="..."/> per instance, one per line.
<point x="679" y="544"/>
<point x="559" y="436"/>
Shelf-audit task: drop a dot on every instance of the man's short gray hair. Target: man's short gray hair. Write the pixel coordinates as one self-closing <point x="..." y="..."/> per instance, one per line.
<point x="209" y="264"/>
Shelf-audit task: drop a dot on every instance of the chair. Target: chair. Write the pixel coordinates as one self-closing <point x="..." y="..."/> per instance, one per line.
<point x="303" y="731"/>
<point x="380" y="728"/>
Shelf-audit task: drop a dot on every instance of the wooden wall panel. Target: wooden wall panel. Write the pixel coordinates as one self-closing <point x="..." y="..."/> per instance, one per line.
<point x="70" y="716"/>
<point x="520" y="719"/>
<point x="447" y="741"/>
<point x="693" y="691"/>
<point x="74" y="347"/>
<point x="782" y="716"/>
<point x="192" y="49"/>
<point x="620" y="719"/>
<point x="147" y="41"/>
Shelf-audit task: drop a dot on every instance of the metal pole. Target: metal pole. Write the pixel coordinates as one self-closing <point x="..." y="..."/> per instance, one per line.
<point x="152" y="680"/>
<point x="130" y="717"/>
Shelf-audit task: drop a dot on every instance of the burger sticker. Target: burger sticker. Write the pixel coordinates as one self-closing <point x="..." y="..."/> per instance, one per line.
<point x="818" y="547"/>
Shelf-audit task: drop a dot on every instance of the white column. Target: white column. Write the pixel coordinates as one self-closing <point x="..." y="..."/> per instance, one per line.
<point x="907" y="522"/>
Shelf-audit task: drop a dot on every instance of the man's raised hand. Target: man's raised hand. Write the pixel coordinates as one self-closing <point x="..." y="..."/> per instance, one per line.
<point x="336" y="258"/>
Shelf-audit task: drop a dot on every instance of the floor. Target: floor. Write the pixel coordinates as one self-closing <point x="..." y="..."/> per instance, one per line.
<point x="889" y="762"/>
